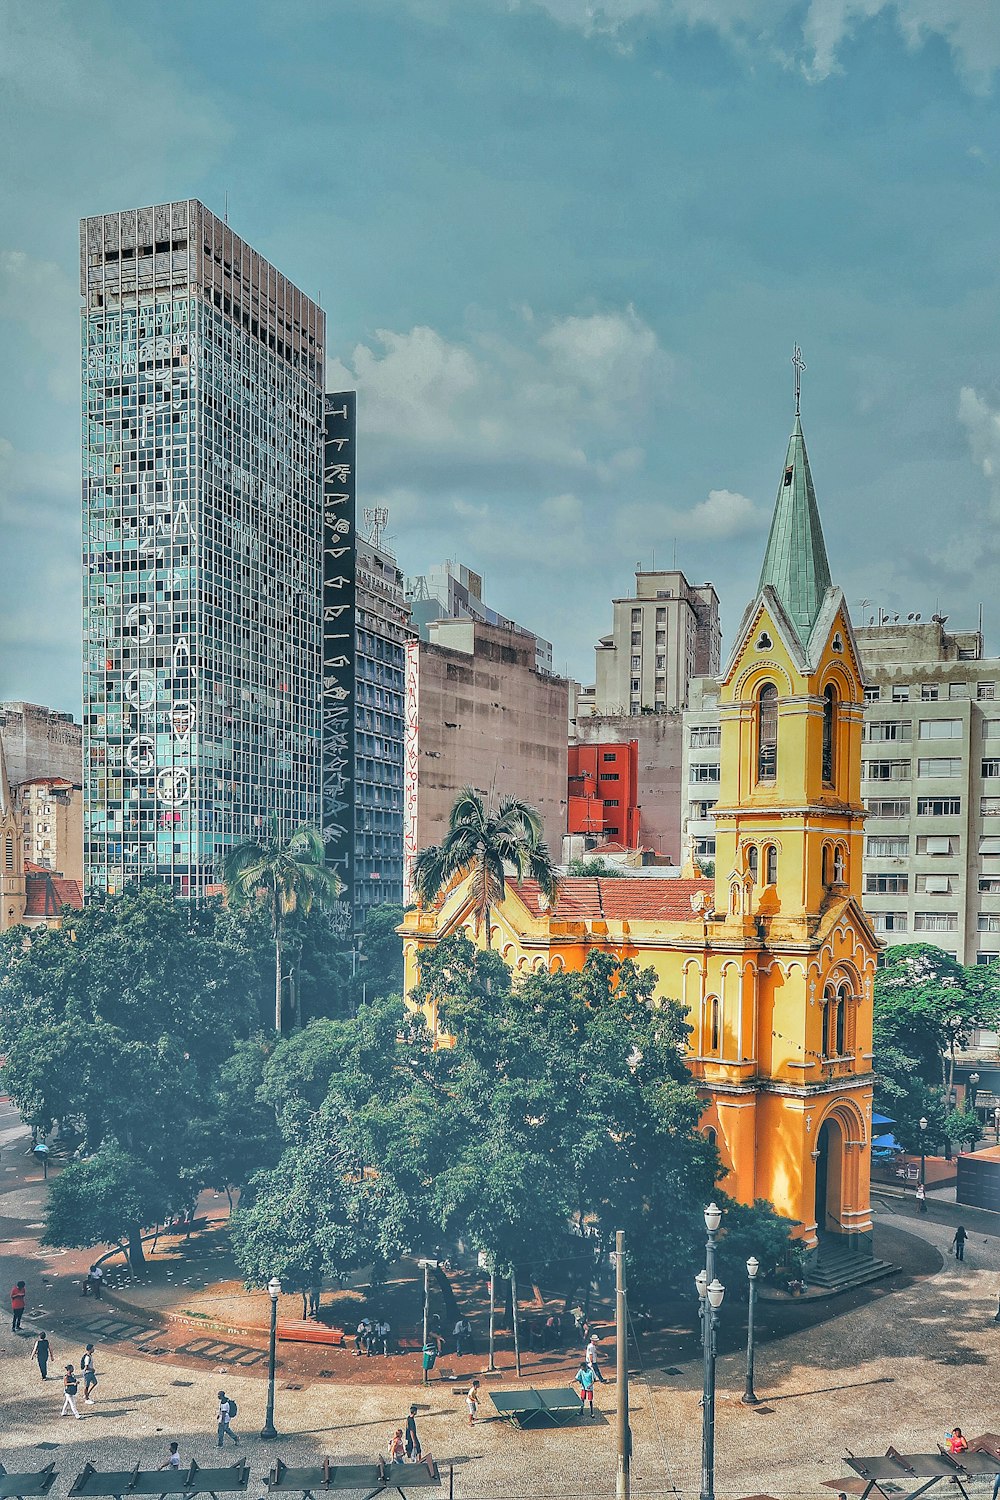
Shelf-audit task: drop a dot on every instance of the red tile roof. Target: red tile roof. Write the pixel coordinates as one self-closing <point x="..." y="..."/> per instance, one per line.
<point x="46" y="893"/>
<point x="620" y="899"/>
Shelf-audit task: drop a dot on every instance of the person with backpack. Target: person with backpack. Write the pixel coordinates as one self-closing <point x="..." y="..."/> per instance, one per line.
<point x="227" y="1411"/>
<point x="89" y="1374"/>
<point x="42" y="1352"/>
<point x="70" y="1388"/>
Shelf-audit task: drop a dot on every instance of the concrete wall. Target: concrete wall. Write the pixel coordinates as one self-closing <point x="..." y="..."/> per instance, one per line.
<point x="660" y="741"/>
<point x="488" y="719"/>
<point x="40" y="741"/>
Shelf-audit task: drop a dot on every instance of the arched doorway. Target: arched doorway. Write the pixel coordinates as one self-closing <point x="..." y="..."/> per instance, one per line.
<point x="829" y="1177"/>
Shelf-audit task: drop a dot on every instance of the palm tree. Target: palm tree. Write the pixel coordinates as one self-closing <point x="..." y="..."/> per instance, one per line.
<point x="289" y="873"/>
<point x="480" y="841"/>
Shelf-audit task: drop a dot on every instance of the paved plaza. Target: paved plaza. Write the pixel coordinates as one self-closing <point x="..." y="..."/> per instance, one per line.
<point x="900" y="1367"/>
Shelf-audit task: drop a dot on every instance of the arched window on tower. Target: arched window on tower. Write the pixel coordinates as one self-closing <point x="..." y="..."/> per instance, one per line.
<point x="840" y="1024"/>
<point x="826" y="864"/>
<point x="8" y="854"/>
<point x="770" y="865"/>
<point x="829" y="734"/>
<point x="714" y="1026"/>
<point x="839" y="865"/>
<point x="767" y="732"/>
<point x="752" y="859"/>
<point x="829" y="1022"/>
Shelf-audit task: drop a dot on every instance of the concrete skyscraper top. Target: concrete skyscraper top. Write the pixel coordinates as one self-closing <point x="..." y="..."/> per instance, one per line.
<point x="202" y="519"/>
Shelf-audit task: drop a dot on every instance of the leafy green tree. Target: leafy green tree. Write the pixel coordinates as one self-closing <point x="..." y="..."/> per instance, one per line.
<point x="480" y="842"/>
<point x="595" y="868"/>
<point x="964" y="1126"/>
<point x="381" y="973"/>
<point x="104" y="1200"/>
<point x="287" y="874"/>
<point x="119" y="1023"/>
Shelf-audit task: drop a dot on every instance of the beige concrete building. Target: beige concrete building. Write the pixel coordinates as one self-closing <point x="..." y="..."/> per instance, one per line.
<point x="480" y="714"/>
<point x="51" y="813"/>
<point x="663" y="635"/>
<point x="40" y="741"/>
<point x="930" y="781"/>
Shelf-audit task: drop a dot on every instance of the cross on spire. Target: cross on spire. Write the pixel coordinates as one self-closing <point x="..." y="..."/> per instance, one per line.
<point x="800" y="365"/>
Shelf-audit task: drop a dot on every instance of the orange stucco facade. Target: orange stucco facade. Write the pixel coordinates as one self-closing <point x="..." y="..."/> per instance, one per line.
<point x="774" y="961"/>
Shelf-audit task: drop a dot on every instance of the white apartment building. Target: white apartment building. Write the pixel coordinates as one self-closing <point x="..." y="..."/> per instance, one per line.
<point x="931" y="781"/>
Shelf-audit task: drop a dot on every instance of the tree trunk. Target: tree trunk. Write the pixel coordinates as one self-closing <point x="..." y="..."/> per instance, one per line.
<point x="489" y="935"/>
<point x="451" y="1308"/>
<point x="136" y="1258"/>
<point x="277" y="980"/>
<point x="493" y="1314"/>
<point x="513" y="1303"/>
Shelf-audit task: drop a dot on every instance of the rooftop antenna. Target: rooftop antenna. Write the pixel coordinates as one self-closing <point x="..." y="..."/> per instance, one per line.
<point x="675" y="554"/>
<point x="800" y="365"/>
<point x="225" y="211"/>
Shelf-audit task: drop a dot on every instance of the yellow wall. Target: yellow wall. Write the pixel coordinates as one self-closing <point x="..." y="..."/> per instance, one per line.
<point x="768" y="956"/>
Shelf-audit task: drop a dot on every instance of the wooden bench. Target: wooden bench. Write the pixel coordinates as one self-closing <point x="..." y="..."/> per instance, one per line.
<point x="304" y="1331"/>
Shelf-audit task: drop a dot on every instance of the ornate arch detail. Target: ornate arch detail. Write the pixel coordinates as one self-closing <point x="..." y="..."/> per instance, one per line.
<point x="851" y="1120"/>
<point x="763" y="671"/>
<point x="558" y="964"/>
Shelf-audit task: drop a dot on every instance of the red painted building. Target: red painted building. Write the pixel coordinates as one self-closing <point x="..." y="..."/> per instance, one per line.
<point x="603" y="792"/>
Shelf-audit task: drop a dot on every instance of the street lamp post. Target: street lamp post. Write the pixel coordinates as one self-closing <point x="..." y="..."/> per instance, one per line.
<point x="923" y="1149"/>
<point x="274" y="1292"/>
<point x="750" y="1397"/>
<point x="710" y="1295"/>
<point x="996" y="1122"/>
<point x="973" y="1089"/>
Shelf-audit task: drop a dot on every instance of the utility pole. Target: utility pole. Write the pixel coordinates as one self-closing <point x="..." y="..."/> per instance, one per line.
<point x="622" y="1480"/>
<point x="513" y="1303"/>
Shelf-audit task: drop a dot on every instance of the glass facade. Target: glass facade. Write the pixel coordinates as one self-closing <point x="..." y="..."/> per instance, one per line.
<point x="383" y="628"/>
<point x="202" y="482"/>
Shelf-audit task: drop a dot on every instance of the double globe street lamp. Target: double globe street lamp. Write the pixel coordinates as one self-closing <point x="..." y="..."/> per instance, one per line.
<point x="710" y="1295"/>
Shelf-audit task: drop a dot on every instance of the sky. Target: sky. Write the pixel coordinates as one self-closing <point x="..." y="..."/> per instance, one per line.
<point x="565" y="249"/>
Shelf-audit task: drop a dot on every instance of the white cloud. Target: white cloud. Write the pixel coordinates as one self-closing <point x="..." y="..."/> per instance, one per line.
<point x="982" y="429"/>
<point x="725" y="513"/>
<point x="567" y="398"/>
<point x="971" y="28"/>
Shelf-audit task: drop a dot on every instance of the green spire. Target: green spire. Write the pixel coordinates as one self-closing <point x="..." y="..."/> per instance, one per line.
<point x="795" y="563"/>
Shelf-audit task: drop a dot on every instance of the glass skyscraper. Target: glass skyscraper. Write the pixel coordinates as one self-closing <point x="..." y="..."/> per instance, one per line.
<point x="202" y="536"/>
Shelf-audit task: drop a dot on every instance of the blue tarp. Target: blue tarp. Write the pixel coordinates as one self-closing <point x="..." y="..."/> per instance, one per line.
<point x="882" y="1120"/>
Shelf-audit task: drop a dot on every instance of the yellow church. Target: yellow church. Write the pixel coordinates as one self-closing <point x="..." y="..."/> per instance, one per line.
<point x="774" y="960"/>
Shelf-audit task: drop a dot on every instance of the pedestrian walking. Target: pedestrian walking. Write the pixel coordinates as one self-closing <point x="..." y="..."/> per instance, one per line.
<point x="18" y="1297"/>
<point x="921" y="1198"/>
<point x="70" y="1388"/>
<point x="414" y="1452"/>
<point x="89" y="1374"/>
<point x="227" y="1411"/>
<point x="42" y="1353"/>
<point x="472" y="1402"/>
<point x="462" y="1334"/>
<point x="958" y="1243"/>
<point x="397" y="1451"/>
<point x="584" y="1378"/>
<point x="593" y="1358"/>
<point x="172" y="1460"/>
<point x="315" y="1293"/>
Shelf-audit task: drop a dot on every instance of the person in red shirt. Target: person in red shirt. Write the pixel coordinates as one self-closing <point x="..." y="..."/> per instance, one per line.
<point x="957" y="1442"/>
<point x="18" y="1296"/>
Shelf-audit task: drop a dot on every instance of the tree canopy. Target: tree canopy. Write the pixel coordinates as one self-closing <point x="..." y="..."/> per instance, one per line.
<point x="926" y="1004"/>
